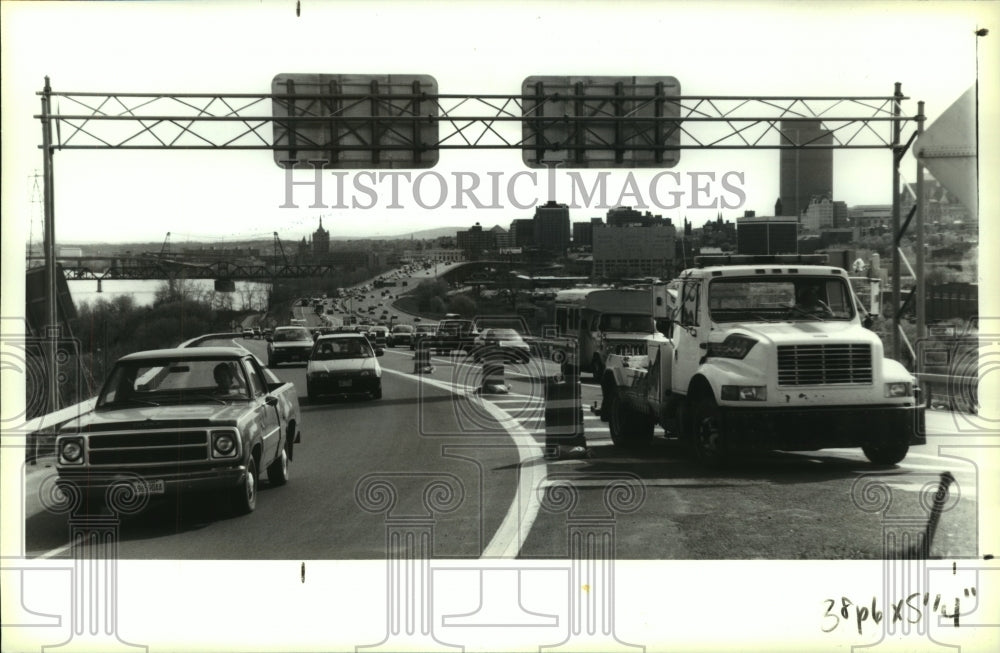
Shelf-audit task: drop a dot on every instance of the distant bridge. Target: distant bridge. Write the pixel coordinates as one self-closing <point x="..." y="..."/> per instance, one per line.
<point x="88" y="268"/>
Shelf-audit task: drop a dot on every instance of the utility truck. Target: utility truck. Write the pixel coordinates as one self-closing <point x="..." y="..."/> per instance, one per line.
<point x="763" y="352"/>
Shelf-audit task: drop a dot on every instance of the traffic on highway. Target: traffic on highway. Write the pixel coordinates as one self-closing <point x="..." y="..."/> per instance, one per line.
<point x="361" y="413"/>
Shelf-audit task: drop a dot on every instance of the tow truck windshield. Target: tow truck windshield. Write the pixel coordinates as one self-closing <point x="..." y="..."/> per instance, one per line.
<point x="779" y="299"/>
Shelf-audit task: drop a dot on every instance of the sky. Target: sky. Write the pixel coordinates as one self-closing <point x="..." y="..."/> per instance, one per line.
<point x="724" y="49"/>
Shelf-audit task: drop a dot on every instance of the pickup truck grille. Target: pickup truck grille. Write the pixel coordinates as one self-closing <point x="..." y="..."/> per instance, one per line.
<point x="147" y="448"/>
<point x="824" y="365"/>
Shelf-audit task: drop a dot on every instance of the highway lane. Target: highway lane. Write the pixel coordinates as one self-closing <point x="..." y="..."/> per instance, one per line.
<point x="774" y="506"/>
<point x="661" y="504"/>
<point x="410" y="444"/>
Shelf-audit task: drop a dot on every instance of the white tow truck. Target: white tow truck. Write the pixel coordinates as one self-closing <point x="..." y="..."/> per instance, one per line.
<point x="763" y="353"/>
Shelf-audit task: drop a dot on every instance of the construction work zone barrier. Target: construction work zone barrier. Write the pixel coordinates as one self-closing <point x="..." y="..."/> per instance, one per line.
<point x="563" y="401"/>
<point x="422" y="359"/>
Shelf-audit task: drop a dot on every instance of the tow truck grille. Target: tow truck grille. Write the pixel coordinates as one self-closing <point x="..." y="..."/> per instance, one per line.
<point x="152" y="448"/>
<point x="824" y="365"/>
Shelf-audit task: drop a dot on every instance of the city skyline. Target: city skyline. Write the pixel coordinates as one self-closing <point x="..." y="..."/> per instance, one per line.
<point x="196" y="191"/>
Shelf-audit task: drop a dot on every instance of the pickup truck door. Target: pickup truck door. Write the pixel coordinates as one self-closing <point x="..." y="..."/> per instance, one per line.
<point x="265" y="416"/>
<point x="688" y="335"/>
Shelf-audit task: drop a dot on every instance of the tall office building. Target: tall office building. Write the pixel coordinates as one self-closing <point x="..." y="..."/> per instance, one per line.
<point x="805" y="173"/>
<point x="552" y="227"/>
<point x="634" y="250"/>
<point x="523" y="232"/>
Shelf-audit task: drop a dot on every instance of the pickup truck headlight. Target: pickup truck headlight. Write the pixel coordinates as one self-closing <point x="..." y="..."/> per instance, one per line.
<point x="223" y="444"/>
<point x="902" y="389"/>
<point x="734" y="346"/>
<point x="71" y="451"/>
<point x="744" y="393"/>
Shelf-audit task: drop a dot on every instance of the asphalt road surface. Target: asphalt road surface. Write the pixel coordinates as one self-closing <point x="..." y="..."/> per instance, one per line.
<point x="467" y="469"/>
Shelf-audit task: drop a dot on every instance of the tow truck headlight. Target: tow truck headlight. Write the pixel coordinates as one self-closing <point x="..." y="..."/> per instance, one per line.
<point x="71" y="451"/>
<point x="902" y="389"/>
<point x="744" y="393"/>
<point x="223" y="444"/>
<point x="734" y="346"/>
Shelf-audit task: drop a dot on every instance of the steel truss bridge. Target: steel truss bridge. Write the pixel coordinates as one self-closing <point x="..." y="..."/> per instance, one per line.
<point x="167" y="269"/>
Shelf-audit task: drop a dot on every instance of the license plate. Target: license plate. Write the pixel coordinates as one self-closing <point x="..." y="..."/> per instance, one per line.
<point x="344" y="383"/>
<point x="153" y="486"/>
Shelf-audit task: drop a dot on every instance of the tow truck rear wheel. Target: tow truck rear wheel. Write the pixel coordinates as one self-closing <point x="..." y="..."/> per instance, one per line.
<point x="888" y="451"/>
<point x="708" y="435"/>
<point x="629" y="428"/>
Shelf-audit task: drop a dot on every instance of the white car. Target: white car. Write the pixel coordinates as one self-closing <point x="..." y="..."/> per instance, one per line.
<point x="507" y="342"/>
<point x="343" y="364"/>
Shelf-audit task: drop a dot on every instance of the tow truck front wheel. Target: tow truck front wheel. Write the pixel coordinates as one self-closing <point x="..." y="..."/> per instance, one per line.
<point x="887" y="451"/>
<point x="708" y="434"/>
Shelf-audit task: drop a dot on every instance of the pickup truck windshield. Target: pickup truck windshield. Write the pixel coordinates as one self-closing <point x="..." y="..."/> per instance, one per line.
<point x="627" y="323"/>
<point x="779" y="299"/>
<point x="173" y="381"/>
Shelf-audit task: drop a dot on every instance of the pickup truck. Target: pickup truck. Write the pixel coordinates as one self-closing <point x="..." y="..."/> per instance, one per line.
<point x="167" y="421"/>
<point x="452" y="334"/>
<point x="764" y="353"/>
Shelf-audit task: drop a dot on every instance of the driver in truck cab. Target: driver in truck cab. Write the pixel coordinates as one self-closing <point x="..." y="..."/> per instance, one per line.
<point x="807" y="300"/>
<point x="226" y="380"/>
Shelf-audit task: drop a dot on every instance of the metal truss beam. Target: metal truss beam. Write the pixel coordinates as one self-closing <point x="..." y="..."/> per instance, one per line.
<point x="245" y="121"/>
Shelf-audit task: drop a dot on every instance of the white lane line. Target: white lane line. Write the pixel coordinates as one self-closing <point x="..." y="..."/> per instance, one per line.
<point x="517" y="523"/>
<point x="56" y="551"/>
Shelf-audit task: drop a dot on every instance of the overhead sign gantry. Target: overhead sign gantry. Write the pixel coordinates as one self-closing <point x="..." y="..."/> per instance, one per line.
<point x="393" y="121"/>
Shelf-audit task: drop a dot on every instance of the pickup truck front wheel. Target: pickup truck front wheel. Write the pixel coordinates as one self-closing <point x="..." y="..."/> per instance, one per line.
<point x="244" y="497"/>
<point x="629" y="428"/>
<point x="708" y="434"/>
